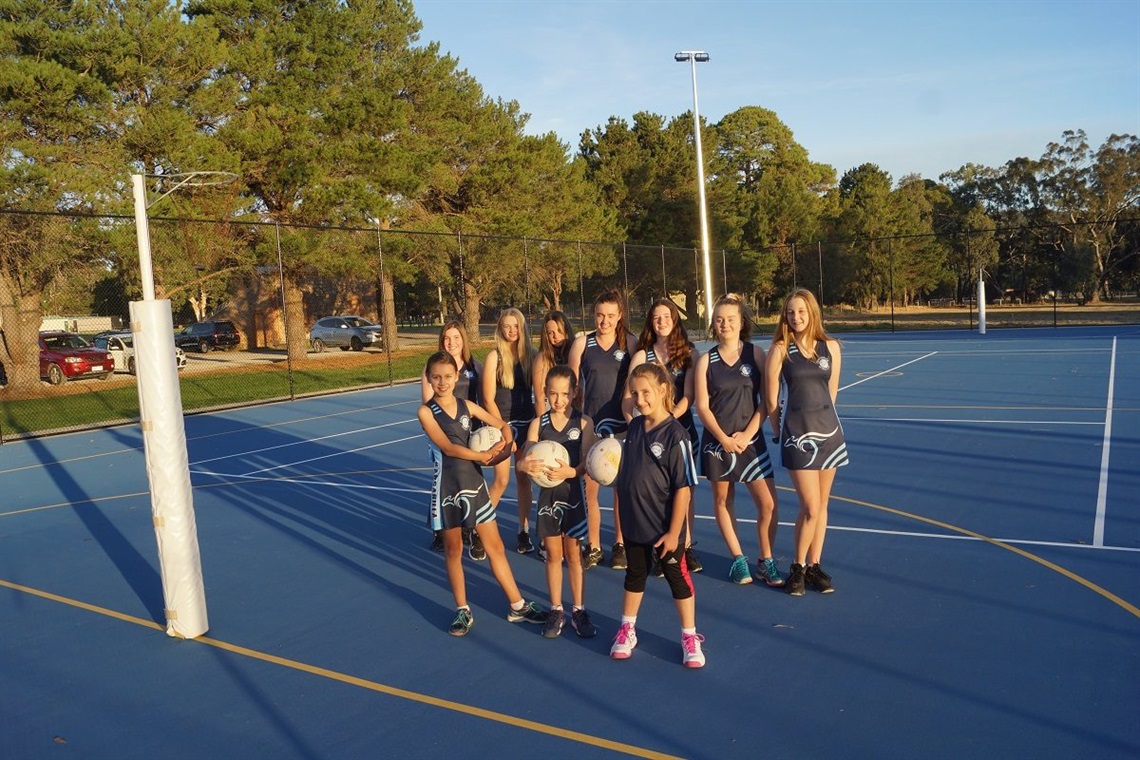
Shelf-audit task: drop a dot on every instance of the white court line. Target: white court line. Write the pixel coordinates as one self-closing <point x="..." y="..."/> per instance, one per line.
<point x="334" y="454"/>
<point x="892" y="369"/>
<point x="305" y="441"/>
<point x="308" y="482"/>
<point x="1102" y="488"/>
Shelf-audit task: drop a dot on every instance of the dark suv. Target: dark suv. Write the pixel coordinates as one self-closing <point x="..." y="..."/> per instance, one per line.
<point x="206" y="336"/>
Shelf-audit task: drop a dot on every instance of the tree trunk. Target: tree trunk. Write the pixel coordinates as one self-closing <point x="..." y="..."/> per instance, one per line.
<point x="471" y="311"/>
<point x="388" y="312"/>
<point x="21" y="316"/>
<point x="296" y="331"/>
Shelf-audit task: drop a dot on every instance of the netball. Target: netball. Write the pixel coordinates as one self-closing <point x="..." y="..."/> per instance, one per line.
<point x="551" y="454"/>
<point x="484" y="438"/>
<point x="603" y="461"/>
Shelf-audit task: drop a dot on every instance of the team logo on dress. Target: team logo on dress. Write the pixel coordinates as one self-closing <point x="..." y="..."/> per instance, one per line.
<point x="746" y="370"/>
<point x="824" y="363"/>
<point x="469" y="373"/>
<point x="656" y="449"/>
<point x="574" y="433"/>
<point x="619" y="355"/>
<point x="465" y="422"/>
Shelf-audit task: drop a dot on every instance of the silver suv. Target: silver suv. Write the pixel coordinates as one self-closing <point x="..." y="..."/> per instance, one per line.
<point x="345" y="333"/>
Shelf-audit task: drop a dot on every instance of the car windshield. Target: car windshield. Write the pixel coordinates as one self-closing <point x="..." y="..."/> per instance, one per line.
<point x="357" y="322"/>
<point x="65" y="341"/>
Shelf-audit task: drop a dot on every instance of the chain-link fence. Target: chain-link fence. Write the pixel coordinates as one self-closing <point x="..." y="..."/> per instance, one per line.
<point x="277" y="285"/>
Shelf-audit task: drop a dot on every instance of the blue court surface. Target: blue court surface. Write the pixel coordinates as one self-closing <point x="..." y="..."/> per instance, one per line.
<point x="984" y="544"/>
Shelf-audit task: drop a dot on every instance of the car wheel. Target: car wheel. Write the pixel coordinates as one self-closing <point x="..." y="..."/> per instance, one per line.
<point x="357" y="344"/>
<point x="203" y="346"/>
<point x="343" y="348"/>
<point x="318" y="345"/>
<point x="131" y="366"/>
<point x="56" y="376"/>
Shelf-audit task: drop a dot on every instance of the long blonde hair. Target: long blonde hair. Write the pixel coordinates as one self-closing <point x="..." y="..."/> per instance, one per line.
<point x="815" y="332"/>
<point x="521" y="354"/>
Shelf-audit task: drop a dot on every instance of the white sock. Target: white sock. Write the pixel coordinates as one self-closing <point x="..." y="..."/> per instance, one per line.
<point x="688" y="631"/>
<point x="627" y="619"/>
<point x="516" y="606"/>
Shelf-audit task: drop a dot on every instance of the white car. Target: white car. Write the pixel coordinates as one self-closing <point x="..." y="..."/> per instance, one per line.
<point x="120" y="344"/>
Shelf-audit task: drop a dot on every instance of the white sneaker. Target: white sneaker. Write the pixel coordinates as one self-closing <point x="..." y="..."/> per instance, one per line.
<point x="691" y="644"/>
<point x="625" y="641"/>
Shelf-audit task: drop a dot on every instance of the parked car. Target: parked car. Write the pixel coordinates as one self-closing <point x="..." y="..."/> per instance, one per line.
<point x="207" y="336"/>
<point x="121" y="345"/>
<point x="66" y="356"/>
<point x="345" y="333"/>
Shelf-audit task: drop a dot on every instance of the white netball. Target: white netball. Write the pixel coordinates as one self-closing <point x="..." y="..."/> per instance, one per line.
<point x="551" y="454"/>
<point x="603" y="461"/>
<point x="484" y="438"/>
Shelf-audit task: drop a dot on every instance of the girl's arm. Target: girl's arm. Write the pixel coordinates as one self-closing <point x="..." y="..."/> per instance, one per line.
<point x="671" y="540"/>
<point x="494" y="420"/>
<point x="836" y="363"/>
<point x="701" y="396"/>
<point x="686" y="401"/>
<point x="488" y="383"/>
<point x="626" y="396"/>
<point x="529" y="464"/>
<point x="772" y="367"/>
<point x="425" y="389"/>
<point x="538" y="382"/>
<point x="444" y="444"/>
<point x="574" y="361"/>
<point x="589" y="438"/>
<point x="757" y="419"/>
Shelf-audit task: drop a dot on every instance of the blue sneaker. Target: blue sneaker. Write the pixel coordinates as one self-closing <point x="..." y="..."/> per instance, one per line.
<point x="739" y="572"/>
<point x="769" y="573"/>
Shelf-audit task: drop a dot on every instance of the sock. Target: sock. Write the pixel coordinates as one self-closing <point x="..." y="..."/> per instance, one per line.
<point x="578" y="608"/>
<point x="554" y="607"/>
<point x="464" y="607"/>
<point x="688" y="631"/>
<point x="516" y="606"/>
<point x="627" y="619"/>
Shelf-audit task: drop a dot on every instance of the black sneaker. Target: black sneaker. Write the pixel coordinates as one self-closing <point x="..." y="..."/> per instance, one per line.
<point x="437" y="541"/>
<point x="525" y="546"/>
<point x="530" y="613"/>
<point x="466" y="533"/>
<point x="462" y="623"/>
<point x="795" y="582"/>
<point x="476" y="550"/>
<point x="591" y="556"/>
<point x="582" y="625"/>
<point x="692" y="561"/>
<point x="540" y="552"/>
<point x="552" y="628"/>
<point x="617" y="559"/>
<point x="818" y="580"/>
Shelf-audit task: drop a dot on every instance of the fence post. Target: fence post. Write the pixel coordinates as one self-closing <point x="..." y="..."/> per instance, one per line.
<point x="387" y="345"/>
<point x="891" y="260"/>
<point x="819" y="251"/>
<point x="284" y="311"/>
<point x="581" y="289"/>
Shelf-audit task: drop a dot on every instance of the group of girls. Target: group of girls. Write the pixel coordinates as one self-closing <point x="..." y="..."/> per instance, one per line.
<point x="644" y="390"/>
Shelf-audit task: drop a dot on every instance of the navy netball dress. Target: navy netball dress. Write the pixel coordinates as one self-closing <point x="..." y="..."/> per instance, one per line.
<point x="678" y="375"/>
<point x="734" y="393"/>
<point x="602" y="374"/>
<point x="459" y="497"/>
<point x="516" y="405"/>
<point x="811" y="436"/>
<point x="561" y="509"/>
<point x="467" y="385"/>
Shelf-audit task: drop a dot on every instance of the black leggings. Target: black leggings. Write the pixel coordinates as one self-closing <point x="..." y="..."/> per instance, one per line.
<point x="640" y="559"/>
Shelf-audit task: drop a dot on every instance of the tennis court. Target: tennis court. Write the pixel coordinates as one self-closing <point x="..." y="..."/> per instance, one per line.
<point x="984" y="544"/>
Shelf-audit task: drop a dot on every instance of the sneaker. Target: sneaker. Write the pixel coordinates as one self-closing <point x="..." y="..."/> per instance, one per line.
<point x="739" y="572"/>
<point x="624" y="642"/>
<point x="582" y="625"/>
<point x="540" y="552"/>
<point x="525" y="546"/>
<point x="592" y="556"/>
<point x="462" y="623"/>
<point x="691" y="644"/>
<point x="769" y="573"/>
<point x="552" y="628"/>
<point x="617" y="559"/>
<point x="530" y="613"/>
<point x="437" y="541"/>
<point x="691" y="560"/>
<point x="795" y="584"/>
<point x="817" y="579"/>
<point x="476" y="550"/>
<point x="466" y="533"/>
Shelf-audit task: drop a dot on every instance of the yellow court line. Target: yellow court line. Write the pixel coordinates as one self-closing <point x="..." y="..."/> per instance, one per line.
<point x="1129" y="607"/>
<point x="412" y="696"/>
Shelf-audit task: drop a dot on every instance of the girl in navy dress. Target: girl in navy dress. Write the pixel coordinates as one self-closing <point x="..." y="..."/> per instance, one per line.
<point x="807" y="360"/>
<point x="453" y="340"/>
<point x="506" y="392"/>
<point x="601" y="361"/>
<point x="655" y="485"/>
<point x="730" y="401"/>
<point x="553" y="349"/>
<point x="561" y="516"/>
<point x="665" y="341"/>
<point x="459" y="497"/>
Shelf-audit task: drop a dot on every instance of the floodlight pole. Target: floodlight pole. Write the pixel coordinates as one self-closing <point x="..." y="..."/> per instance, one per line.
<point x="694" y="57"/>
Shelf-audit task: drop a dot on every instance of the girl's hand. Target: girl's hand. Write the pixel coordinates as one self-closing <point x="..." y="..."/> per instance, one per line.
<point x="563" y="471"/>
<point x="496" y="453"/>
<point x="667" y="544"/>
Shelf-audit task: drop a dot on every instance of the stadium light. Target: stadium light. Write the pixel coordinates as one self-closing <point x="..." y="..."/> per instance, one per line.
<point x="693" y="57"/>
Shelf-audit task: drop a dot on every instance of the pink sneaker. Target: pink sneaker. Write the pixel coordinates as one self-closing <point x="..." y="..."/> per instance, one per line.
<point x="624" y="642"/>
<point x="691" y="643"/>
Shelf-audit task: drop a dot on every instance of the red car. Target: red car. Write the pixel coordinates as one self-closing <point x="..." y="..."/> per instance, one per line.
<point x="66" y="356"/>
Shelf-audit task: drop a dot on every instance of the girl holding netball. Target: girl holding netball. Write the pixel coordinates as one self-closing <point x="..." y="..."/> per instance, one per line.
<point x="507" y="393"/>
<point x="665" y="341"/>
<point x="459" y="495"/>
<point x="600" y="359"/>
<point x="453" y="340"/>
<point x="655" y="485"/>
<point x="561" y="520"/>
<point x="553" y="349"/>
<point x="807" y="361"/>
<point x="730" y="401"/>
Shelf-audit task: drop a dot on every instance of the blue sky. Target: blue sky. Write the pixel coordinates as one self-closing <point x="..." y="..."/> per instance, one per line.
<point x="914" y="87"/>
